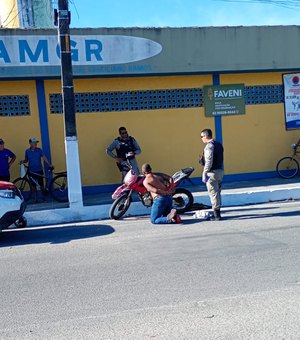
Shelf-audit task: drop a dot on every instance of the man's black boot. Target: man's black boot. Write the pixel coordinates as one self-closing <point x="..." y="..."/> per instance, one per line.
<point x="217" y="215"/>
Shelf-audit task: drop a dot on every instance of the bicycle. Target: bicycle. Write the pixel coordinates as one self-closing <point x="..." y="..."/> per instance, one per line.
<point x="288" y="167"/>
<point x="57" y="186"/>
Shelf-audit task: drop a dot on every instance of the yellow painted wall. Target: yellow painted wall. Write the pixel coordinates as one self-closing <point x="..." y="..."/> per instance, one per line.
<point x="169" y="139"/>
<point x="254" y="142"/>
<point x="16" y="131"/>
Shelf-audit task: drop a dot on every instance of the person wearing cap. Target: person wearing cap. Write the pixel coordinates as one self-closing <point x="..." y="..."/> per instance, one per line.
<point x="7" y="158"/>
<point x="34" y="156"/>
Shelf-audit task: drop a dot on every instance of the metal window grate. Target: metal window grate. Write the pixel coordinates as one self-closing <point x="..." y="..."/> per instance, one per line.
<point x="130" y="100"/>
<point x="14" y="106"/>
<point x="265" y="94"/>
<point x="158" y="99"/>
<point x="55" y="103"/>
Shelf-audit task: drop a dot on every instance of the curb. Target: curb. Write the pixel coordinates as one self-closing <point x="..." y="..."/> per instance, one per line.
<point x="234" y="197"/>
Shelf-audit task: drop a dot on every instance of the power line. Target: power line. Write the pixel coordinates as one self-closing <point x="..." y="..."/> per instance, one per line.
<point x="72" y="2"/>
<point x="291" y="4"/>
<point x="13" y="7"/>
<point x="14" y="16"/>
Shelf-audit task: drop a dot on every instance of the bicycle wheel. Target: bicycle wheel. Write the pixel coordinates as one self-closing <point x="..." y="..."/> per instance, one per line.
<point x="287" y="167"/>
<point x="59" y="188"/>
<point x="24" y="186"/>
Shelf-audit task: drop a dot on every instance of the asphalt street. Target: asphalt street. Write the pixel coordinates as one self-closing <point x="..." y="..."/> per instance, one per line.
<point x="234" y="279"/>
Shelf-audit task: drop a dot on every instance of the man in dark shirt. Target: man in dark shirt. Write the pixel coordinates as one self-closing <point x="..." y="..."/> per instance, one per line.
<point x="213" y="170"/>
<point x="7" y="157"/>
<point x="124" y="148"/>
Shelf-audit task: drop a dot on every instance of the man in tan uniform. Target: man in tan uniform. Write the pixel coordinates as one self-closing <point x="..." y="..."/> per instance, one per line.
<point x="213" y="170"/>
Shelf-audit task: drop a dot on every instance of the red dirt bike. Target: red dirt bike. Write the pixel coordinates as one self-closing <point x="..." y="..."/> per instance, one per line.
<point x="182" y="198"/>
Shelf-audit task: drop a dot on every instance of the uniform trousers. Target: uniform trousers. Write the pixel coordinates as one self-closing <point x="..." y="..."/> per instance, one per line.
<point x="214" y="185"/>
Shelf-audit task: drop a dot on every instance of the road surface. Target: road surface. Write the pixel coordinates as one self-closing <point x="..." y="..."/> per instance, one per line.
<point x="234" y="279"/>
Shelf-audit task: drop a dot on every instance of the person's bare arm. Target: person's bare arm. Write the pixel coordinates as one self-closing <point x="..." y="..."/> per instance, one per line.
<point x="168" y="179"/>
<point x="25" y="160"/>
<point x="150" y="186"/>
<point x="46" y="160"/>
<point x="12" y="160"/>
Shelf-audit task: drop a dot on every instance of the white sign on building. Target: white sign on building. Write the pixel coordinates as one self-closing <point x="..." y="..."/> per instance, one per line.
<point x="88" y="50"/>
<point x="291" y="84"/>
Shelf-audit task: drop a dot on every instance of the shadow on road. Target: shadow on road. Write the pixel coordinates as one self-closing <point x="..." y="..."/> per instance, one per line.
<point x="244" y="214"/>
<point x="263" y="215"/>
<point x="53" y="235"/>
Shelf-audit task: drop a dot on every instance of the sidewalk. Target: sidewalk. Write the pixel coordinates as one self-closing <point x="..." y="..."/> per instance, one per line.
<point x="97" y="206"/>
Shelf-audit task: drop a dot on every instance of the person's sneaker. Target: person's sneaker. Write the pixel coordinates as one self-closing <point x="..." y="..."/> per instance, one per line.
<point x="177" y="219"/>
<point x="171" y="215"/>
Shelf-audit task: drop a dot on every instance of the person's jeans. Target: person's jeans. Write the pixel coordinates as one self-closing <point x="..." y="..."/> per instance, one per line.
<point x="161" y="207"/>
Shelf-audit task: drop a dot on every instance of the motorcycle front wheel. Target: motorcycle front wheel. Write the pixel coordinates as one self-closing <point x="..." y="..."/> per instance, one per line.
<point x="120" y="206"/>
<point x="182" y="200"/>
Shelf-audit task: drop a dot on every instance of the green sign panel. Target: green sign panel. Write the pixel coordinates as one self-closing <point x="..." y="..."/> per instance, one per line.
<point x="223" y="100"/>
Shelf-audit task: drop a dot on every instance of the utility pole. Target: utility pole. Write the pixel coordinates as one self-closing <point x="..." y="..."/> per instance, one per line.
<point x="71" y="142"/>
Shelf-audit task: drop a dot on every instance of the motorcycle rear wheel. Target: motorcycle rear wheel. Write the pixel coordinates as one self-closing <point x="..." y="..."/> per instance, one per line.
<point x="182" y="200"/>
<point x="120" y="206"/>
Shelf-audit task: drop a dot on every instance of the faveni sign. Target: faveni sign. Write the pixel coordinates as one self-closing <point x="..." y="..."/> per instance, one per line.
<point x="223" y="100"/>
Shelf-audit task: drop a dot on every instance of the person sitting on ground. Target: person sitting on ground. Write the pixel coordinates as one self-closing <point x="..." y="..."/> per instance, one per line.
<point x="161" y="188"/>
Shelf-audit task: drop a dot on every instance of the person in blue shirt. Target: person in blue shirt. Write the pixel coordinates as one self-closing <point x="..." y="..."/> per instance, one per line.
<point x="7" y="158"/>
<point x="34" y="157"/>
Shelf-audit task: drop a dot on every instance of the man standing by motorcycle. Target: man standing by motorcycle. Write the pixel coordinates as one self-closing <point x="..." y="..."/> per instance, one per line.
<point x="212" y="160"/>
<point x="161" y="188"/>
<point x="123" y="149"/>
